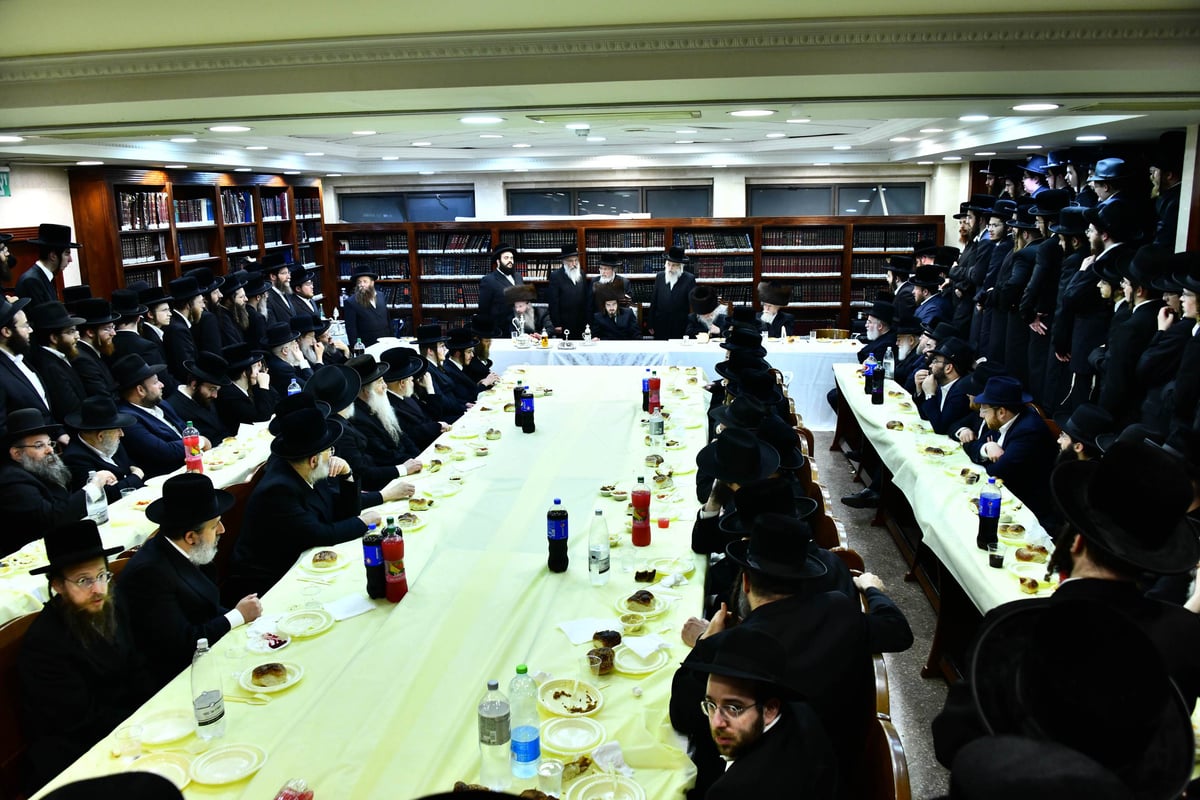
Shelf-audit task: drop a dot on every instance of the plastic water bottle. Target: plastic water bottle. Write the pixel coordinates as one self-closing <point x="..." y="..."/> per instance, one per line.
<point x="359" y="347"/>
<point x="657" y="424"/>
<point x="97" y="508"/>
<point x="889" y="364"/>
<point x="869" y="373"/>
<point x="191" y="449"/>
<point x="989" y="514"/>
<point x="494" y="749"/>
<point x="208" y="701"/>
<point x="587" y="333"/>
<point x="293" y="387"/>
<point x="557" y="535"/>
<point x="526" y="742"/>
<point x="598" y="550"/>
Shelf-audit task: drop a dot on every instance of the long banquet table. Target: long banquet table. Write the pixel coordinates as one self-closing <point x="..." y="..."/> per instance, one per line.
<point x="387" y="703"/>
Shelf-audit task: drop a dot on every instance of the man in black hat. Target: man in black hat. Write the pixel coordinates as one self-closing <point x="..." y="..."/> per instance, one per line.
<point x="1036" y="306"/>
<point x="168" y="587"/>
<point x="405" y="369"/>
<point x="612" y="322"/>
<point x="96" y="446"/>
<point x="970" y="427"/>
<point x="431" y="344"/>
<point x="134" y="337"/>
<point x="21" y="386"/>
<point x="908" y="357"/>
<point x="879" y="335"/>
<point x="569" y="295"/>
<point x="1166" y="176"/>
<point x="7" y="260"/>
<point x="187" y="304"/>
<point x="374" y="417"/>
<point x="54" y="255"/>
<point x="1078" y="431"/>
<point x="54" y="344"/>
<point x="157" y="317"/>
<point x="770" y="744"/>
<point x="303" y="292"/>
<point x="279" y="273"/>
<point x="206" y="328"/>
<point x="897" y="272"/>
<point x="232" y="312"/>
<point x="999" y="217"/>
<point x="311" y="351"/>
<point x="670" y="298"/>
<point x="35" y="484"/>
<point x="460" y="352"/>
<point x="942" y="397"/>
<point x="931" y="305"/>
<point x="1071" y="232"/>
<point x="196" y="401"/>
<point x="248" y="398"/>
<point x="283" y="359"/>
<point x="533" y="320"/>
<point x="492" y="287"/>
<point x="607" y="269"/>
<point x="306" y="498"/>
<point x="257" y="290"/>
<point x="95" y="344"/>
<point x="80" y="673"/>
<point x="479" y="368"/>
<point x="707" y="317"/>
<point x="1121" y="393"/>
<point x="366" y="311"/>
<point x="773" y="320"/>
<point x="155" y="443"/>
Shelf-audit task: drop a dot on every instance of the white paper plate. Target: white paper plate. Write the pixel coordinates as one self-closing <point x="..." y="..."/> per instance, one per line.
<point x="684" y="469"/>
<point x="343" y="561"/>
<point x="448" y="489"/>
<point x="228" y="764"/>
<point x="571" y="735"/>
<point x="660" y="606"/>
<point x="605" y="787"/>
<point x="574" y="700"/>
<point x="308" y="622"/>
<point x="630" y="663"/>
<point x="294" y="673"/>
<point x="670" y="566"/>
<point x="676" y="446"/>
<point x="256" y="642"/>
<point x="416" y="526"/>
<point x="456" y="434"/>
<point x="164" y="727"/>
<point x="168" y="764"/>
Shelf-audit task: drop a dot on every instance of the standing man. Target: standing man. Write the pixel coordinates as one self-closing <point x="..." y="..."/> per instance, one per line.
<point x="1121" y="393"/>
<point x="897" y="272"/>
<point x="96" y="446"/>
<point x="54" y="254"/>
<point x="492" y="286"/>
<point x="366" y="312"/>
<point x="303" y="292"/>
<point x="187" y="304"/>
<point x="569" y="294"/>
<point x="95" y="345"/>
<point x="669" y="303"/>
<point x="279" y="303"/>
<point x="1166" y="175"/>
<point x="54" y="339"/>
<point x="932" y="307"/>
<point x="608" y="276"/>
<point x="20" y="385"/>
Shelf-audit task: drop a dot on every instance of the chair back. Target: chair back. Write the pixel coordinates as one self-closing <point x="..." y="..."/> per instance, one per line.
<point x="117" y="566"/>
<point x="12" y="740"/>
<point x="885" y="763"/>
<point x="232" y="520"/>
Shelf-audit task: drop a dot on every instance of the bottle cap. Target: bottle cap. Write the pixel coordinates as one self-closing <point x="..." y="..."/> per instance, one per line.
<point x="557" y="501"/>
<point x="202" y="643"/>
<point x="371" y="527"/>
<point x="391" y="520"/>
<point x="493" y="686"/>
<point x="522" y="669"/>
<point x="599" y="512"/>
<point x="641" y="479"/>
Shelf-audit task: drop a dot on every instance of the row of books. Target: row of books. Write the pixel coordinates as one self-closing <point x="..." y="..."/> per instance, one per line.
<point x="274" y="233"/>
<point x="817" y="292"/>
<point x="712" y="240"/>
<point x="743" y="293"/>
<point x="143" y="211"/>
<point x="194" y="244"/>
<point x="307" y="255"/>
<point x="392" y="268"/>
<point x="539" y="240"/>
<point x="373" y="242"/>
<point x="603" y="240"/>
<point x="723" y="267"/>
<point x="537" y="270"/>
<point x="150" y="276"/>
<point x="814" y="262"/>
<point x="196" y="210"/>
<point x="309" y="229"/>
<point x="864" y="294"/>
<point x="460" y="294"/>
<point x="825" y="236"/>
<point x="395" y="293"/>
<point x="240" y="238"/>
<point x="308" y="205"/>
<point x="891" y="238"/>
<point x="464" y="242"/>
<point x="142" y="248"/>
<point x="237" y="206"/>
<point x="274" y="205"/>
<point x="636" y="264"/>
<point x="868" y="265"/>
<point x="454" y="265"/>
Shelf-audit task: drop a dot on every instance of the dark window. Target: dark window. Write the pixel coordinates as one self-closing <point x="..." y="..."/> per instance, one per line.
<point x="857" y="199"/>
<point x="549" y="202"/>
<point x="789" y="201"/>
<point x="423" y="206"/>
<point x="658" y="201"/>
<point x="680" y="201"/>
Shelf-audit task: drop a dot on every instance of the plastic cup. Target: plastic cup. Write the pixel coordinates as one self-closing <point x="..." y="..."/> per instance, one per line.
<point x="664" y="522"/>
<point x="633" y="623"/>
<point x="590" y="666"/>
<point x="995" y="553"/>
<point x="126" y="492"/>
<point x="550" y="773"/>
<point x="128" y="741"/>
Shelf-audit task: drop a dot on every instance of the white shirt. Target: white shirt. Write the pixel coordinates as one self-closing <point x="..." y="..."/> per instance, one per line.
<point x="1004" y="430"/>
<point x="58" y="353"/>
<point x="158" y="414"/>
<point x="87" y="444"/>
<point x="45" y="271"/>
<point x="945" y="393"/>
<point x="30" y="375"/>
<point x="233" y="615"/>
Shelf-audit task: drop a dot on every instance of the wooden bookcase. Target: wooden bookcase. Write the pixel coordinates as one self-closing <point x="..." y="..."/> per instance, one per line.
<point x="154" y="225"/>
<point x="430" y="271"/>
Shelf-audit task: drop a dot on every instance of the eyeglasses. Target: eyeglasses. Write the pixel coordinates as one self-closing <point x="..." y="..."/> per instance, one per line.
<point x="50" y="445"/>
<point x="727" y="711"/>
<point x="87" y="582"/>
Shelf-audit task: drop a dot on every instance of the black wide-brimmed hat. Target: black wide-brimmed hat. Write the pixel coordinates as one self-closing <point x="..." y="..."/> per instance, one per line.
<point x="976" y="380"/>
<point x="1150" y="263"/>
<point x="1086" y="422"/>
<point x="1185" y="267"/>
<point x="362" y="271"/>
<point x="784" y="438"/>
<point x="71" y="544"/>
<point x="1050" y="202"/>
<point x="54" y="237"/>
<point x="883" y="311"/>
<point x="741" y="339"/>
<point x="460" y="339"/>
<point x="303" y="432"/>
<point x="272" y="263"/>
<point x="745" y="411"/>
<point x="152" y="296"/>
<point x="924" y="247"/>
<point x="768" y="496"/>
<point x="779" y="546"/>
<point x="568" y="250"/>
<point x="29" y="422"/>
<point x="610" y="260"/>
<point x="703" y="300"/>
<point x="1116" y="218"/>
<point x="485" y="327"/>
<point x="335" y="385"/>
<point x="302" y="323"/>
<point x="1004" y="767"/>
<point x="9" y="310"/>
<point x="403" y="362"/>
<point x="748" y="654"/>
<point x="739" y="361"/>
<point x="981" y="203"/>
<point x="256" y="285"/>
<point x="95" y="311"/>
<point x="98" y="413"/>
<point x="367" y="368"/>
<point x="184" y="289"/>
<point x="523" y="292"/>
<point x="205" y="279"/>
<point x="189" y="500"/>
<point x="927" y="276"/>
<point x="1132" y="504"/>
<point x="209" y="368"/>
<point x="1071" y="222"/>
<point x="1110" y="169"/>
<point x="73" y="294"/>
<point x="997" y="166"/>
<point x="501" y="249"/>
<point x="1003" y="209"/>
<point x="429" y="334"/>
<point x="1038" y="667"/>
<point x="963" y="211"/>
<point x="51" y="316"/>
<point x="234" y="281"/>
<point x="900" y="265"/>
<point x="127" y="785"/>
<point x="125" y="303"/>
<point x="775" y="293"/>
<point x="1024" y="219"/>
<point x="737" y="456"/>
<point x="946" y="256"/>
<point x="957" y="352"/>
<point x="131" y="369"/>
<point x="908" y="326"/>
<point x="1003" y="390"/>
<point x="240" y="356"/>
<point x="677" y="255"/>
<point x="301" y="276"/>
<point x="743" y="315"/>
<point x="279" y="333"/>
<point x="759" y="383"/>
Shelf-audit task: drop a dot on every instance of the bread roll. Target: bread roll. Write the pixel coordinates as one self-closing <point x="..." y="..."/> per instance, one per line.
<point x="641" y="600"/>
<point x="271" y="674"/>
<point x="606" y="638"/>
<point x="324" y="558"/>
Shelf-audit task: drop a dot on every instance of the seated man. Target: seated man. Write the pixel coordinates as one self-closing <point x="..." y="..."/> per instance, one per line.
<point x="771" y="747"/>
<point x="168" y="588"/>
<point x="96" y="446"/>
<point x="283" y="359"/>
<point x="705" y="318"/>
<point x="942" y="397"/>
<point x="909" y="358"/>
<point x="196" y="401"/>
<point x="533" y="320"/>
<point x="249" y="397"/>
<point x="306" y="498"/>
<point x="405" y="367"/>
<point x="439" y="391"/>
<point x="80" y="674"/>
<point x="1079" y="431"/>
<point x="479" y="368"/>
<point x="155" y="442"/>
<point x="35" y="483"/>
<point x="613" y="322"/>
<point x="773" y="321"/>
<point x="460" y="347"/>
<point x="375" y="418"/>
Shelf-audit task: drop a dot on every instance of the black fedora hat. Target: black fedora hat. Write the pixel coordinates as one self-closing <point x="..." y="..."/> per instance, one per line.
<point x="189" y="499"/>
<point x="737" y="456"/>
<point x="131" y="369"/>
<point x="272" y="263"/>
<point x="1058" y="159"/>
<point x="523" y="292"/>
<point x="610" y="260"/>
<point x="256" y="285"/>
<point x="403" y="362"/>
<point x="744" y="340"/>
<point x="319" y="325"/>
<point x="1131" y="504"/>
<point x="501" y="249"/>
<point x="744" y="412"/>
<point x="485" y="327"/>
<point x="1004" y="767"/>
<point x="908" y="326"/>
<point x="279" y="333"/>
<point x="460" y="339"/>
<point x="98" y="413"/>
<point x="1003" y="209"/>
<point x="367" y="368"/>
<point x="740" y="360"/>
<point x="125" y="303"/>
<point x="334" y="385"/>
<point x="927" y="276"/>
<point x="774" y="292"/>
<point x="240" y="356"/>
<point x="302" y="323"/>
<point x="51" y="316"/>
<point x="1185" y="267"/>
<point x="152" y="296"/>
<point x="73" y="294"/>
<point x="301" y="276"/>
<point x="1116" y="218"/>
<point x="9" y="310"/>
<point x="957" y="352"/>
<point x="429" y="334"/>
<point x="1150" y="263"/>
<point x="743" y="315"/>
<point x="54" y="236"/>
<point x="303" y="432"/>
<point x="71" y="544"/>
<point x="946" y="256"/>
<point x="759" y="383"/>
<point x="95" y="311"/>
<point x="568" y="250"/>
<point x="300" y="401"/>
<point x="783" y="437"/>
<point x="234" y="281"/>
<point x="924" y="247"/>
<point x="1038" y="666"/>
<point x="779" y="546"/>
<point x="767" y="496"/>
<point x="900" y="265"/>
<point x="1024" y="219"/>
<point x="677" y="255"/>
<point x="981" y="203"/>
<point x="997" y="166"/>
<point x="976" y="380"/>
<point x="28" y="422"/>
<point x="883" y="311"/>
<point x="703" y="300"/>
<point x="1111" y="169"/>
<point x="184" y="288"/>
<point x="1071" y="222"/>
<point x="748" y="654"/>
<point x="1086" y="422"/>
<point x="127" y="785"/>
<point x="209" y="368"/>
<point x="1167" y="283"/>
<point x="1050" y="202"/>
<point x="1003" y="390"/>
<point x="205" y="279"/>
<point x="963" y="211"/>
<point x="362" y="271"/>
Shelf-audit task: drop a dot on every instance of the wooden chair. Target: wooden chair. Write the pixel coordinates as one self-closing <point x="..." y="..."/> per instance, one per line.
<point x="825" y="531"/>
<point x="806" y="436"/>
<point x="832" y="333"/>
<point x="232" y="520"/>
<point x="849" y="557"/>
<point x="12" y="741"/>
<point x="885" y="763"/>
<point x="883" y="699"/>
<point x="117" y="566"/>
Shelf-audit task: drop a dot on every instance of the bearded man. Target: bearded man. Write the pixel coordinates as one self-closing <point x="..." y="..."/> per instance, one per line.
<point x="367" y="312"/>
<point x="249" y="397"/>
<point x="195" y="401"/>
<point x="257" y="290"/>
<point x="232" y="314"/>
<point x="55" y="337"/>
<point x="95" y="344"/>
<point x="492" y="287"/>
<point x="279" y="297"/>
<point x="96" y="446"/>
<point x="569" y="294"/>
<point x="375" y="418"/>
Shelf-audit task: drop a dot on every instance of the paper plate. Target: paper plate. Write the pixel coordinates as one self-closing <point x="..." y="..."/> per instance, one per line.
<point x="564" y="697"/>
<point x="294" y="673"/>
<point x="676" y="446"/>
<point x="685" y="469"/>
<point x="228" y="764"/>
<point x="1026" y="569"/>
<point x="605" y="787"/>
<point x="669" y="566"/>
<point x="343" y="561"/>
<point x="448" y="489"/>
<point x="164" y="727"/>
<point x="660" y="606"/>
<point x="257" y="642"/>
<point x="571" y="735"/>
<point x="305" y="623"/>
<point x="415" y="526"/>
<point x="456" y="434"/>
<point x="168" y="764"/>
<point x="630" y="663"/>
<point x="933" y="451"/>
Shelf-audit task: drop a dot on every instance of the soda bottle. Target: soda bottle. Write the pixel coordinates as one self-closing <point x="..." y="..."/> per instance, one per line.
<point x="208" y="702"/>
<point x="518" y="390"/>
<point x="646" y="391"/>
<point x="527" y="421"/>
<point x="598" y="551"/>
<point x="372" y="544"/>
<point x="293" y="387"/>
<point x="655" y="391"/>
<point x="641" y="513"/>
<point x="876" y="382"/>
<point x="989" y="514"/>
<point x="359" y="347"/>
<point x="889" y="364"/>
<point x="494" y="749"/>
<point x="97" y="506"/>
<point x="191" y="449"/>
<point x="393" y="561"/>
<point x="526" y="741"/>
<point x="545" y="338"/>
<point x="556" y="536"/>
<point x="869" y="373"/>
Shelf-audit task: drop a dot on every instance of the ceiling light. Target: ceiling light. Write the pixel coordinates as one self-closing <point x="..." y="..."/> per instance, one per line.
<point x="685" y="141"/>
<point x="974" y="118"/>
<point x="821" y="164"/>
<point x="363" y="133"/>
<point x="229" y="128"/>
<point x="951" y="158"/>
<point x="314" y="154"/>
<point x="776" y="135"/>
<point x="391" y="158"/>
<point x="924" y="163"/>
<point x="752" y="112"/>
<point x="987" y="153"/>
<point x="1029" y="147"/>
<point x="291" y="172"/>
<point x="1091" y="137"/>
<point x="578" y="126"/>
<point x="427" y="172"/>
<point x="597" y="139"/>
<point x="333" y="174"/>
<point x="1036" y="107"/>
<point x="491" y="136"/>
<point x="88" y="163"/>
<point x="799" y="120"/>
<point x="686" y="130"/>
<point x="851" y="210"/>
<point x="620" y="167"/>
<point x="174" y="166"/>
<point x="933" y="130"/>
<point x="520" y="169"/>
<point x="865" y="201"/>
<point x="10" y="139"/>
<point x="183" y="140"/>
<point x="841" y="147"/>
<point x="522" y="144"/>
<point x="256" y="147"/>
<point x="480" y="120"/>
<point x="718" y="166"/>
<point x="241" y="169"/>
<point x="900" y="139"/>
<point x="421" y="144"/>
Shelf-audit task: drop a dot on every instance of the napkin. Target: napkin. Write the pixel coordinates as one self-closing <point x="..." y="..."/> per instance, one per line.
<point x="674" y="580"/>
<point x="646" y="646"/>
<point x="609" y="758"/>
<point x="581" y="630"/>
<point x="349" y="606"/>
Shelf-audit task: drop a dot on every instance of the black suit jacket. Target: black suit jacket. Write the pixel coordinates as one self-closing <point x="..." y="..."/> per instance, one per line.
<point x="231" y="334"/>
<point x="1156" y="369"/>
<point x="64" y="389"/>
<point x="152" y="444"/>
<point x="669" y="308"/>
<point x="1121" y="394"/>
<point x="235" y="407"/>
<point x="207" y="420"/>
<point x="904" y="301"/>
<point x="17" y="392"/>
<point x="956" y="406"/>
<point x="82" y="459"/>
<point x="570" y="304"/>
<point x="696" y="326"/>
<point x="380" y="447"/>
<point x="453" y="404"/>
<point x="36" y="286"/>
<point x="1030" y="451"/>
<point x="279" y="308"/>
<point x="258" y="328"/>
<point x="206" y="334"/>
<point x="92" y="371"/>
<point x="367" y="323"/>
<point x="794" y="759"/>
<point x="303" y="306"/>
<point x="491" y="297"/>
<point x="178" y="345"/>
<point x="780" y="326"/>
<point x="624" y="327"/>
<point x="464" y="385"/>
<point x="878" y="347"/>
<point x="171" y="603"/>
<point x="415" y="421"/>
<point x="32" y="506"/>
<point x="370" y="474"/>
<point x="150" y="348"/>
<point x="285" y="516"/>
<point x="282" y="372"/>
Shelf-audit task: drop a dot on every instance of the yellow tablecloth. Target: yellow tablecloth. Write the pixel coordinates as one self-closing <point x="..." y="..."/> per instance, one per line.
<point x="387" y="705"/>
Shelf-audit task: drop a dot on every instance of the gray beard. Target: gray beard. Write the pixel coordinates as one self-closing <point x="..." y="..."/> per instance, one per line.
<point x="382" y="410"/>
<point x="50" y="469"/>
<point x="202" y="555"/>
<point x="573" y="274"/>
<point x="310" y="352"/>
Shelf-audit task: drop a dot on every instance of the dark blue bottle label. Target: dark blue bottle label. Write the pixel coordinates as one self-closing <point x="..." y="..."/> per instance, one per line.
<point x="556" y="529"/>
<point x="372" y="555"/>
<point x="989" y="506"/>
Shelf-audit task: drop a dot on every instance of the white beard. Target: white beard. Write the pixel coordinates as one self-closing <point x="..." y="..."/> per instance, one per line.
<point x="383" y="411"/>
<point x="203" y="554"/>
<point x="768" y="317"/>
<point x="608" y="280"/>
<point x="904" y="351"/>
<point x="872" y="335"/>
<point x="573" y="274"/>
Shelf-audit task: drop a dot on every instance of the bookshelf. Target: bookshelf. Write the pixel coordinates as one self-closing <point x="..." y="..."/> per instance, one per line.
<point x="834" y="265"/>
<point x="153" y="225"/>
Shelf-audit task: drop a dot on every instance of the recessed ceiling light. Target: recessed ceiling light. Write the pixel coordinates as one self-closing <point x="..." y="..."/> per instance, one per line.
<point x="620" y="167"/>
<point x="480" y="120"/>
<point x="256" y="147"/>
<point x="1036" y="107"/>
<point x="752" y="112"/>
<point x="974" y="118"/>
<point x="900" y="139"/>
<point x="491" y="136"/>
<point x="776" y="135"/>
<point x="363" y="133"/>
<point x="1091" y="137"/>
<point x="578" y="126"/>
<point x="229" y="128"/>
<point x="174" y="166"/>
<point x="851" y="210"/>
<point x="333" y="174"/>
<point x="183" y="140"/>
<point x="841" y="147"/>
<point x="520" y="169"/>
<point x="727" y="139"/>
<point x="951" y="158"/>
<point x="88" y="163"/>
<point x="986" y="153"/>
<point x="427" y="172"/>
<point x="314" y="154"/>
<point x="421" y="144"/>
<point x="799" y="120"/>
<point x="10" y="139"/>
<point x="865" y="201"/>
<point x="686" y="130"/>
<point x="1029" y="147"/>
<point x="597" y="139"/>
<point x="685" y="141"/>
<point x="933" y="130"/>
<point x="821" y="164"/>
<point x="241" y="169"/>
<point x="522" y="144"/>
<point x="924" y="163"/>
<point x="291" y="172"/>
<point x="391" y="158"/>
<point x="718" y="166"/>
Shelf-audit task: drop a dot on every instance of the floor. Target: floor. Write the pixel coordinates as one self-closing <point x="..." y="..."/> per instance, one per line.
<point x="915" y="700"/>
